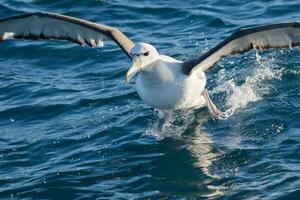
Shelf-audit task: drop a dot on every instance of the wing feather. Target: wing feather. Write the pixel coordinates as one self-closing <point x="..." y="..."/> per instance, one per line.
<point x="44" y="25"/>
<point x="283" y="35"/>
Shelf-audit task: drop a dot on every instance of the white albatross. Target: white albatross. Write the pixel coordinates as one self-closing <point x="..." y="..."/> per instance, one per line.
<point x="162" y="82"/>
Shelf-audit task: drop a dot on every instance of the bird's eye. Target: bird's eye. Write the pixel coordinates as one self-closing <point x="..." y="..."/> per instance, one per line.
<point x="146" y="54"/>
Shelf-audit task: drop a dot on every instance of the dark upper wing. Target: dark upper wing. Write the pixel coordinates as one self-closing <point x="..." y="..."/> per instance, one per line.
<point x="262" y="37"/>
<point x="43" y="25"/>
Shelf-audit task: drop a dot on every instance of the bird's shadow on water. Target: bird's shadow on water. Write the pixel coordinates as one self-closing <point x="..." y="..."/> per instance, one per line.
<point x="188" y="152"/>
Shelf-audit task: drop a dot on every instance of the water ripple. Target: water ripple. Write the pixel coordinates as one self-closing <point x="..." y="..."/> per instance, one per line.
<point x="71" y="129"/>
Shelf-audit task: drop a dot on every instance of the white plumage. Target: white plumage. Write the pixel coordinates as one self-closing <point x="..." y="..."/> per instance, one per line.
<point x="162" y="82"/>
<point x="164" y="86"/>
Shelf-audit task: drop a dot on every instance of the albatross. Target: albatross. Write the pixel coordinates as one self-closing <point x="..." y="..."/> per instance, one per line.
<point x="162" y="82"/>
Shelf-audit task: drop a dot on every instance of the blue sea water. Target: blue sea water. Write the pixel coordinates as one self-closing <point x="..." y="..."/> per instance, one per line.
<point x="71" y="128"/>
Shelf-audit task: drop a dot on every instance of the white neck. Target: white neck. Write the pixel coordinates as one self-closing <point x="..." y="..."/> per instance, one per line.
<point x="156" y="73"/>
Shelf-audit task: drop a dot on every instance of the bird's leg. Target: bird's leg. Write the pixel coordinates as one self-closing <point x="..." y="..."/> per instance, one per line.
<point x="166" y="116"/>
<point x="212" y="107"/>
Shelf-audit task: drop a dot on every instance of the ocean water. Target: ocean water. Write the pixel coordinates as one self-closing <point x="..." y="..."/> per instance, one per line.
<point x="71" y="128"/>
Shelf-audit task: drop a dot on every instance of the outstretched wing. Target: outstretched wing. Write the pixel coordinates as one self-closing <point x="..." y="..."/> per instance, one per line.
<point x="262" y="37"/>
<point x="44" y="25"/>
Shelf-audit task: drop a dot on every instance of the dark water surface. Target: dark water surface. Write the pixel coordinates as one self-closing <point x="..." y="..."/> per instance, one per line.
<point x="71" y="128"/>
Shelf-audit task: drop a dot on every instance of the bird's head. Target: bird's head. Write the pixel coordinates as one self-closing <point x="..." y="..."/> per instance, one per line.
<point x="142" y="55"/>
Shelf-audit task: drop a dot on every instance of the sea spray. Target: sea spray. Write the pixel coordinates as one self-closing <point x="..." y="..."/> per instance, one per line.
<point x="252" y="89"/>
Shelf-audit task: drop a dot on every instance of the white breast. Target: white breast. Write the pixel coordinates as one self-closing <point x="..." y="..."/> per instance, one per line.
<point x="163" y="86"/>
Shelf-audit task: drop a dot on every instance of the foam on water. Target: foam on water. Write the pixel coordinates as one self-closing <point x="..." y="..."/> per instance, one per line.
<point x="253" y="88"/>
<point x="169" y="126"/>
<point x="296" y="72"/>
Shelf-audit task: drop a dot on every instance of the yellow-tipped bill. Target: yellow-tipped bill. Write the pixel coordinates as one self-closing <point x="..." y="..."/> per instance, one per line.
<point x="135" y="68"/>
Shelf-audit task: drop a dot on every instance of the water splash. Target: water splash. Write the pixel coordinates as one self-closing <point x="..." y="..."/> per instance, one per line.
<point x="295" y="71"/>
<point x="171" y="124"/>
<point x="253" y="88"/>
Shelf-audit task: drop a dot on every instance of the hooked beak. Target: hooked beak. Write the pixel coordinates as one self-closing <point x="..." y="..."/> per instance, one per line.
<point x="135" y="68"/>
